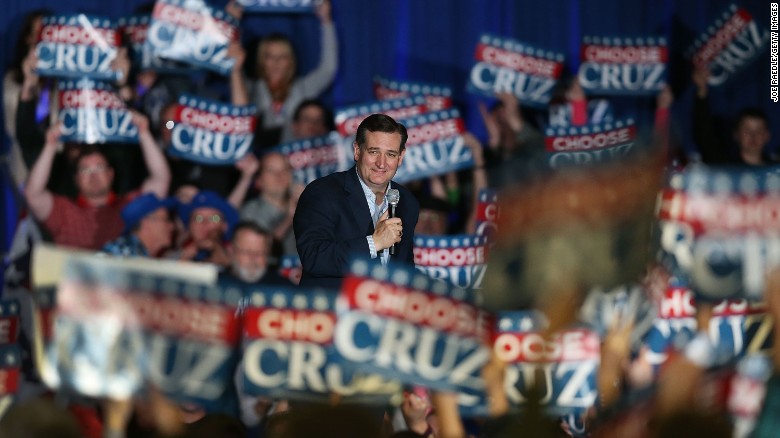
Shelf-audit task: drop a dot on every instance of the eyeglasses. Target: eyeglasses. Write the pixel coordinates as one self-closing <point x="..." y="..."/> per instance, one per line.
<point x="99" y="168"/>
<point x="214" y="218"/>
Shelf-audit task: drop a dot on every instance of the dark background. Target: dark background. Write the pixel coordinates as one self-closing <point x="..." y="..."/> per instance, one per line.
<point x="433" y="41"/>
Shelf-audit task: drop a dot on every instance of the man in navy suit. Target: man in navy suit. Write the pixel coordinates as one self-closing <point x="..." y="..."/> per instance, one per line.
<point x="345" y="214"/>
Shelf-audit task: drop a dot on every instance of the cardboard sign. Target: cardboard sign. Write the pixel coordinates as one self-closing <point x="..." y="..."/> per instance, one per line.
<point x="738" y="327"/>
<point x="604" y="309"/>
<point x="587" y="145"/>
<point x="9" y="321"/>
<point x="135" y="29"/>
<point x="458" y="260"/>
<point x="487" y="214"/>
<point x="289" y="351"/>
<point x="279" y="6"/>
<point x="290" y="268"/>
<point x="401" y="324"/>
<point x="718" y="229"/>
<point x="117" y="328"/>
<point x="192" y="32"/>
<point x="437" y="97"/>
<point x="92" y="112"/>
<point x="729" y="44"/>
<point x="504" y="65"/>
<point x="599" y="112"/>
<point x="348" y="119"/>
<point x="10" y="369"/>
<point x="314" y="158"/>
<point x="568" y="362"/>
<point x="623" y="66"/>
<point x="75" y="46"/>
<point x="434" y="147"/>
<point x="211" y="132"/>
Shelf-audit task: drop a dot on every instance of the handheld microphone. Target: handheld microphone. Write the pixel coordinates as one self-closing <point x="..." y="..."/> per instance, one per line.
<point x="393" y="196"/>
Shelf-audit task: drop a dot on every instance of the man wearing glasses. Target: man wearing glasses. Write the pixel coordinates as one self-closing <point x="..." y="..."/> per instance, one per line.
<point x="148" y="228"/>
<point x="93" y="218"/>
<point x="209" y="220"/>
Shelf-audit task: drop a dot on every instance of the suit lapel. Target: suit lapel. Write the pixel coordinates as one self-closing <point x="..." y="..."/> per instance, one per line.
<point x="357" y="201"/>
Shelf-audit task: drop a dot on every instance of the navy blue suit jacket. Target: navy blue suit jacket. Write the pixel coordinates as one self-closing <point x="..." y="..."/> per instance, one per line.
<point x="332" y="221"/>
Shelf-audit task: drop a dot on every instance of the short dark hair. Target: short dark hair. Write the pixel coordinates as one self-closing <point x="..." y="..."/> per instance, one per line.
<point x="87" y="150"/>
<point x="250" y="226"/>
<point x="751" y="113"/>
<point x="327" y="114"/>
<point x="380" y="123"/>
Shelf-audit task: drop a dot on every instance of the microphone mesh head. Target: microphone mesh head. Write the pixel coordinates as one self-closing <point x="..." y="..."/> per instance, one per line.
<point x="393" y="196"/>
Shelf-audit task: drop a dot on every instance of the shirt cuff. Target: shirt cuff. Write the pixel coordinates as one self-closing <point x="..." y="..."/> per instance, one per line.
<point x="371" y="246"/>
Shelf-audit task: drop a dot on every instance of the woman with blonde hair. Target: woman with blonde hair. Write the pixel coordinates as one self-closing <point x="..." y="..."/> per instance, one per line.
<point x="277" y="92"/>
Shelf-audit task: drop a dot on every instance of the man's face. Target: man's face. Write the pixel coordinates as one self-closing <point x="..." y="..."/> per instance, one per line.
<point x="207" y="223"/>
<point x="158" y="226"/>
<point x="94" y="176"/>
<point x="310" y="123"/>
<point x="379" y="159"/>
<point x="249" y="255"/>
<point x="752" y="135"/>
<point x="275" y="175"/>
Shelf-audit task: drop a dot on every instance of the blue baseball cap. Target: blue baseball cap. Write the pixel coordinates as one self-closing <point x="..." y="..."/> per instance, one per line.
<point x="209" y="199"/>
<point x="141" y="206"/>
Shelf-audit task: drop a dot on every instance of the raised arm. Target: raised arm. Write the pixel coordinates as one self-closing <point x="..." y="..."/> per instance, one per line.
<point x="707" y="141"/>
<point x="248" y="167"/>
<point x="321" y="77"/>
<point x="238" y="90"/>
<point x="39" y="199"/>
<point x="159" y="178"/>
<point x="479" y="179"/>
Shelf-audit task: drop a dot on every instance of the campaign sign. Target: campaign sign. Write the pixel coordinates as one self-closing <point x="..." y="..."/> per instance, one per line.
<point x="435" y="146"/>
<point x="290" y="268"/>
<point x="458" y="260"/>
<point x="279" y="6"/>
<point x="599" y="111"/>
<point x="313" y="158"/>
<point x="604" y="309"/>
<point x="77" y="46"/>
<point x="92" y="112"/>
<point x="210" y="132"/>
<point x="626" y="66"/>
<point x="10" y="365"/>
<point x="737" y="328"/>
<point x="118" y="328"/>
<point x="437" y="97"/>
<point x="402" y="324"/>
<point x="567" y="360"/>
<point x="192" y="32"/>
<point x="504" y="65"/>
<point x="729" y="44"/>
<point x="487" y="214"/>
<point x="718" y="229"/>
<point x="9" y="321"/>
<point x="348" y="119"/>
<point x="135" y="29"/>
<point x="289" y="350"/>
<point x="586" y="145"/>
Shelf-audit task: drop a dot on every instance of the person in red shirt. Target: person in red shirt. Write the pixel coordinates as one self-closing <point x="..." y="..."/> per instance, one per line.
<point x="93" y="218"/>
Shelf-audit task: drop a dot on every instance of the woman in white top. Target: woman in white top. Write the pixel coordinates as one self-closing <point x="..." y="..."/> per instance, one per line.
<point x="278" y="92"/>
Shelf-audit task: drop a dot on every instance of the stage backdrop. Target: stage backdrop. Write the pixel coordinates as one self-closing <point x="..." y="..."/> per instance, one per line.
<point x="434" y="41"/>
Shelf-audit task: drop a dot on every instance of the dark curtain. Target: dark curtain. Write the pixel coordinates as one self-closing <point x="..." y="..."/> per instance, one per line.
<point x="433" y="41"/>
